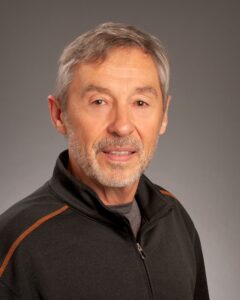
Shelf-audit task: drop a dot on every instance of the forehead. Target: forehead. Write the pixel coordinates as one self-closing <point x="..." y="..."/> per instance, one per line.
<point x="120" y="64"/>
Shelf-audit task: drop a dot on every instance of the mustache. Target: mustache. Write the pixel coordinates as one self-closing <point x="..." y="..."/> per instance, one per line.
<point x="125" y="141"/>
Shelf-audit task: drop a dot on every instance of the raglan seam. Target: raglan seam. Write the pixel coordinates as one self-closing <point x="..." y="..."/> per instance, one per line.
<point x="17" y="242"/>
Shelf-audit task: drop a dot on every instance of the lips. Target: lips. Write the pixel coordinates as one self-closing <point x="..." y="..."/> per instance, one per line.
<point x="119" y="154"/>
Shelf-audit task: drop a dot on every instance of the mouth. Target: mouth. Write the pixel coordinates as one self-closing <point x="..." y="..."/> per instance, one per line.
<point x="119" y="154"/>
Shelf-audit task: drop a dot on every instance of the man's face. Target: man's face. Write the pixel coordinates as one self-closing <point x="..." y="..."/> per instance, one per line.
<point x="113" y="117"/>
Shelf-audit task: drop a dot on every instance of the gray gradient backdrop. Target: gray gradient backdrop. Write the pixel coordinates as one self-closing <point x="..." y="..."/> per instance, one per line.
<point x="198" y="159"/>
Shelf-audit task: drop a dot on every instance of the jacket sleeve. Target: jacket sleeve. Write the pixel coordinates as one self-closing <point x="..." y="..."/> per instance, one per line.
<point x="201" y="287"/>
<point x="6" y="293"/>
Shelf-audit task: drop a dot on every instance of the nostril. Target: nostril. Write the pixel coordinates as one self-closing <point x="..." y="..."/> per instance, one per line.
<point x="121" y="129"/>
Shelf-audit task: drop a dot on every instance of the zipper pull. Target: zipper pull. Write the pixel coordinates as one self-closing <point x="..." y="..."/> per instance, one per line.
<point x="141" y="252"/>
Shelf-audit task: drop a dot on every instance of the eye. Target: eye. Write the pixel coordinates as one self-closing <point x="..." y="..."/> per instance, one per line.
<point x="98" y="102"/>
<point x="141" y="103"/>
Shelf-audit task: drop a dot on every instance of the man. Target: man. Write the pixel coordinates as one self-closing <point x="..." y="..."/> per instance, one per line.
<point x="100" y="229"/>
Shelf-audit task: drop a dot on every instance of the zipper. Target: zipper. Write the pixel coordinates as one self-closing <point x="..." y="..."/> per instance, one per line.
<point x="143" y="257"/>
<point x="140" y="251"/>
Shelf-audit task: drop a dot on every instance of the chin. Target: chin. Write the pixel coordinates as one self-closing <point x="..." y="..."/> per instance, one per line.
<point x="117" y="181"/>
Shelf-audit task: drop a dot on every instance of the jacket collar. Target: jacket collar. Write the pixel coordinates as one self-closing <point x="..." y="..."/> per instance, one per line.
<point x="152" y="203"/>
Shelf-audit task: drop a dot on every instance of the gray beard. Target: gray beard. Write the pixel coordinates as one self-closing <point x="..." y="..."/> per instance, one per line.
<point x="114" y="175"/>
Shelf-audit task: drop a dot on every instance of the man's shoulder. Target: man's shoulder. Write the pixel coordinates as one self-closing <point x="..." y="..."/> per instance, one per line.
<point x="28" y="207"/>
<point x="25" y="216"/>
<point x="178" y="208"/>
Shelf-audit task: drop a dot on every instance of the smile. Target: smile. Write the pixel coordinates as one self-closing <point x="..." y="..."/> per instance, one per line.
<point x="119" y="155"/>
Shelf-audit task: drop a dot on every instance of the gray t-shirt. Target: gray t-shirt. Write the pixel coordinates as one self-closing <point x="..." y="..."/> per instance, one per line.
<point x="132" y="212"/>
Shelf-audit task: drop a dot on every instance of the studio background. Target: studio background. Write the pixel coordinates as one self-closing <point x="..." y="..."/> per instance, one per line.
<point x="197" y="159"/>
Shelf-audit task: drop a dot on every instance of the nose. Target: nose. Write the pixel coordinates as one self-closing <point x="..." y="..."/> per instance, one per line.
<point x="121" y="123"/>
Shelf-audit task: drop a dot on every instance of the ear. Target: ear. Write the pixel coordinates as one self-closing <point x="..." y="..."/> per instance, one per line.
<point x="56" y="114"/>
<point x="164" y="124"/>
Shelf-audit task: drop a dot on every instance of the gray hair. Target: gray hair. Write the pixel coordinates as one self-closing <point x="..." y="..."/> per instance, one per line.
<point x="93" y="46"/>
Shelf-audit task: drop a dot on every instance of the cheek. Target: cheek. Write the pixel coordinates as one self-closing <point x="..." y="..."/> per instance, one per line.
<point x="89" y="128"/>
<point x="149" y="131"/>
<point x="149" y="139"/>
<point x="86" y="136"/>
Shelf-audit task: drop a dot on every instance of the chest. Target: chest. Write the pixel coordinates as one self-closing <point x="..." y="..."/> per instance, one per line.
<point x="91" y="260"/>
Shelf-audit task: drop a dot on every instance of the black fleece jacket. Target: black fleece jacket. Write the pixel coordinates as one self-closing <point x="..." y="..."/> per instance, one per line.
<point x="62" y="243"/>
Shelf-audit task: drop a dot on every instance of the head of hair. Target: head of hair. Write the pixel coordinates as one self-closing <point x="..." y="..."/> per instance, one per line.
<point x="94" y="45"/>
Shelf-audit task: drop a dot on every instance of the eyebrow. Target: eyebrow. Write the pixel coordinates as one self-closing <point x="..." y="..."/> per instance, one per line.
<point x="147" y="89"/>
<point x="100" y="89"/>
<point x="95" y="88"/>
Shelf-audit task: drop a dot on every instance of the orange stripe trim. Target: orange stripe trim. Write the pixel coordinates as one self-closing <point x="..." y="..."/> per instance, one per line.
<point x="26" y="233"/>
<point x="167" y="193"/>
